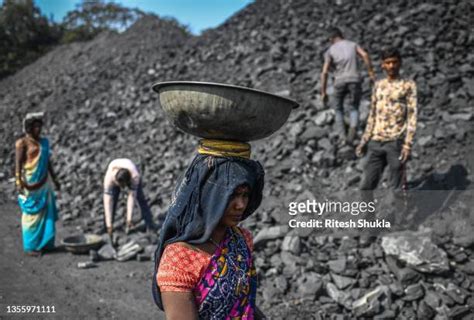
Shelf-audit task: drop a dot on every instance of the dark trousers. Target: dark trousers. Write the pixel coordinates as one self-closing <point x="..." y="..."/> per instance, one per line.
<point x="352" y="90"/>
<point x="142" y="203"/>
<point x="381" y="154"/>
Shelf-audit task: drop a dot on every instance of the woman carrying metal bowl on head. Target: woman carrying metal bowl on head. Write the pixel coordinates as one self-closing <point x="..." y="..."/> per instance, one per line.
<point x="203" y="265"/>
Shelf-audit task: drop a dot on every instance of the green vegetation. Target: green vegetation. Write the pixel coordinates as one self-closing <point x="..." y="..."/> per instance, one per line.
<point x="92" y="17"/>
<point x="25" y="34"/>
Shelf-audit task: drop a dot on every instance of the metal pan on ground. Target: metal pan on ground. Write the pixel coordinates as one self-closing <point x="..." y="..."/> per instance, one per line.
<point x="222" y="111"/>
<point x="82" y="243"/>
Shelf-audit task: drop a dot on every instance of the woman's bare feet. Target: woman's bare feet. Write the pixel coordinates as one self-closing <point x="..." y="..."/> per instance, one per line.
<point x="33" y="253"/>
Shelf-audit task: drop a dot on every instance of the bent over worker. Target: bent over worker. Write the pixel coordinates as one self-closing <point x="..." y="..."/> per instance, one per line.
<point x="123" y="173"/>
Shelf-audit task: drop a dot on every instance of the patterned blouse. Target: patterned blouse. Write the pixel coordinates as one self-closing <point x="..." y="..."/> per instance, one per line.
<point x="182" y="267"/>
<point x="392" y="112"/>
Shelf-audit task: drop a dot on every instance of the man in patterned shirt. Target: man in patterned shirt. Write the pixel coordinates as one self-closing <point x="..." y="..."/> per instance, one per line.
<point x="390" y="127"/>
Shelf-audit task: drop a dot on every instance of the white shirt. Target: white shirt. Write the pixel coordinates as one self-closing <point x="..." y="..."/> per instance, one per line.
<point x="114" y="167"/>
<point x="110" y="182"/>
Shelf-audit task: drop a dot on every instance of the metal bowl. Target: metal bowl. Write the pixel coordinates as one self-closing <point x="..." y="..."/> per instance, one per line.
<point x="82" y="243"/>
<point x="222" y="111"/>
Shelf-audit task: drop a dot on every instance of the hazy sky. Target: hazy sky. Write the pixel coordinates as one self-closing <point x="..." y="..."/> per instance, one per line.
<point x="197" y="14"/>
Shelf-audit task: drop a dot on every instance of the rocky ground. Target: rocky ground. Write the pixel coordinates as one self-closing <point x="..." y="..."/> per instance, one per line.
<point x="113" y="290"/>
<point x="100" y="106"/>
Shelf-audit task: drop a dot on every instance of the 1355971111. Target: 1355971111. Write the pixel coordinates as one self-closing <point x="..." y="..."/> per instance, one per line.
<point x="30" y="309"/>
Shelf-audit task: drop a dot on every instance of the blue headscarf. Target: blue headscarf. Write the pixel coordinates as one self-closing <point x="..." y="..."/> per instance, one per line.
<point x="201" y="198"/>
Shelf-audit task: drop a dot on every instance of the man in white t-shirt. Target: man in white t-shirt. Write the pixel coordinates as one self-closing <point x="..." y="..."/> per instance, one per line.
<point x="123" y="173"/>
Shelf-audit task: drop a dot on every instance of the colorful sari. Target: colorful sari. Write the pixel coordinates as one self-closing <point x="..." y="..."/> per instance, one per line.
<point x="227" y="290"/>
<point x="224" y="284"/>
<point x="38" y="203"/>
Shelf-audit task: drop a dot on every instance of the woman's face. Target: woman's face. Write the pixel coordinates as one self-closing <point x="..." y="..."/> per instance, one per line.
<point x="236" y="208"/>
<point x="35" y="129"/>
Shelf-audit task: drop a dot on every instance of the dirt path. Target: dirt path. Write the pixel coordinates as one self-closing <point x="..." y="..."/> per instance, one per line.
<point x="114" y="290"/>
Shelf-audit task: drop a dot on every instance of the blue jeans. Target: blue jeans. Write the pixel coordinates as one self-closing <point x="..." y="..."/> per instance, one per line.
<point x="341" y="90"/>
<point x="142" y="203"/>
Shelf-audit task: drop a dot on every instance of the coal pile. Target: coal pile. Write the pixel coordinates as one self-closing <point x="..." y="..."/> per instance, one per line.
<point x="100" y="106"/>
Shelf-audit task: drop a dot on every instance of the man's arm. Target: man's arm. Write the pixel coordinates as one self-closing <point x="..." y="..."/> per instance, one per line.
<point x="132" y="194"/>
<point x="108" y="200"/>
<point x="108" y="211"/>
<point x="365" y="56"/>
<point x="371" y="119"/>
<point x="324" y="78"/>
<point x="370" y="124"/>
<point x="411" y="120"/>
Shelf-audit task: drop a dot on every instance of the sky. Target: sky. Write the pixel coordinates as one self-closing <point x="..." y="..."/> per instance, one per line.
<point x="196" y="14"/>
